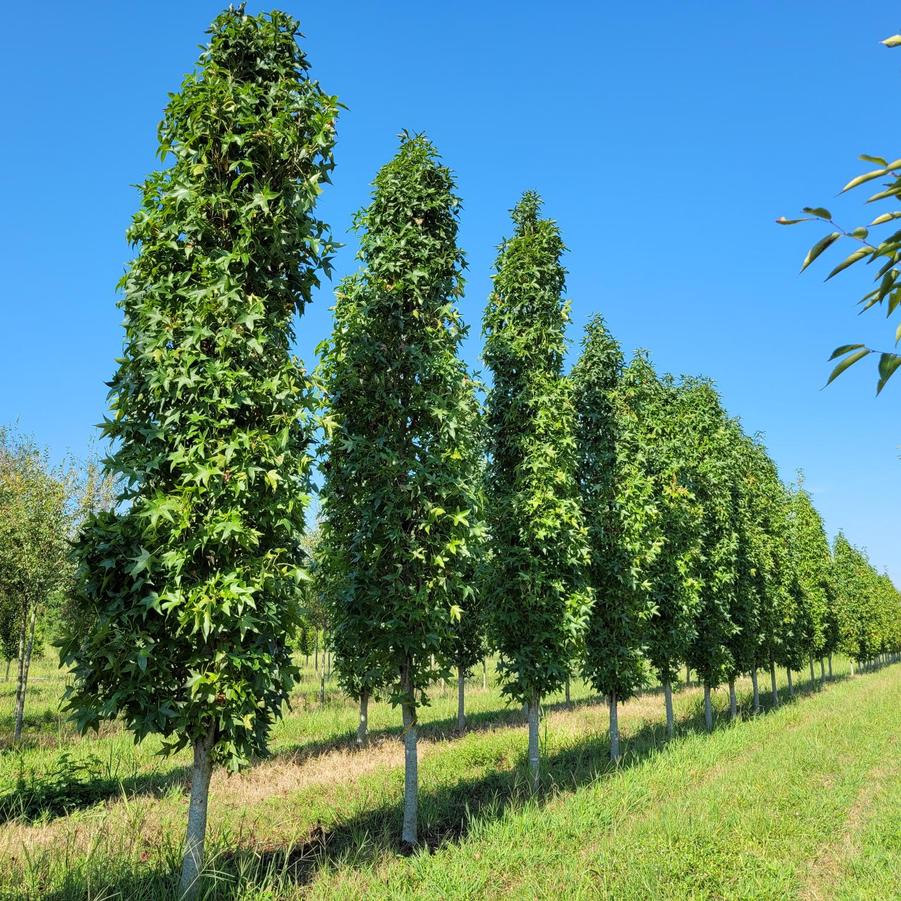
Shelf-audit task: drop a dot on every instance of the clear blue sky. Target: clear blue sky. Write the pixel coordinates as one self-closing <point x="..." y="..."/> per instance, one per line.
<point x="665" y="138"/>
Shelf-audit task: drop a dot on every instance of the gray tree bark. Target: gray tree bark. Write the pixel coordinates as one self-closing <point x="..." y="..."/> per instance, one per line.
<point x="461" y="699"/>
<point x="755" y="690"/>
<point x="24" y="667"/>
<point x="668" y="703"/>
<point x="822" y="670"/>
<point x="322" y="689"/>
<point x="614" y="727"/>
<point x="534" y="759"/>
<point x="830" y="666"/>
<point x="195" y="836"/>
<point x="410" y="833"/>
<point x="773" y="690"/>
<point x="791" y="687"/>
<point x="733" y="701"/>
<point x="708" y="709"/>
<point x="363" y="725"/>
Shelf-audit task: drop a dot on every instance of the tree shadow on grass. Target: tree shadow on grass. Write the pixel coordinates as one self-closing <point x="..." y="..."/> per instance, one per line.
<point x="447" y="813"/>
<point x="75" y="783"/>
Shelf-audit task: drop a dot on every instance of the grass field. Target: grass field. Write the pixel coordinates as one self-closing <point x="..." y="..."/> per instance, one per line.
<point x="803" y="802"/>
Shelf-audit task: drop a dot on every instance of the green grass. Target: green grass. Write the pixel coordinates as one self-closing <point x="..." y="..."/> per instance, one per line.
<point x="804" y="801"/>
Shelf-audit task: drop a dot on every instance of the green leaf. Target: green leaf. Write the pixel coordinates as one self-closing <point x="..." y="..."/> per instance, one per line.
<point x="888" y="363"/>
<point x="846" y="363"/>
<point x="862" y="179"/>
<point x="844" y="349"/>
<point x="893" y="41"/>
<point x="818" y="211"/>
<point x="819" y="247"/>
<point x="873" y="159"/>
<point x="783" y="221"/>
<point x="858" y="254"/>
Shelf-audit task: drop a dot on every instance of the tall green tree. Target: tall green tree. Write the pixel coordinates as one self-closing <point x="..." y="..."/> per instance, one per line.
<point x="615" y="493"/>
<point x="400" y="493"/>
<point x="813" y="568"/>
<point x="664" y="517"/>
<point x="710" y="472"/>
<point x="537" y="595"/>
<point x="191" y="586"/>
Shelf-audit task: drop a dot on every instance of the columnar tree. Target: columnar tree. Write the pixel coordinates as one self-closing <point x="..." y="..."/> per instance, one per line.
<point x="665" y="522"/>
<point x="813" y="568"/>
<point x="749" y="597"/>
<point x="615" y="495"/>
<point x="190" y="588"/>
<point x="536" y="593"/>
<point x="711" y="478"/>
<point x="399" y="491"/>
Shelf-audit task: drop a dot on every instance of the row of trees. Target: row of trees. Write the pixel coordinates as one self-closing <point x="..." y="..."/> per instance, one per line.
<point x="611" y="522"/>
<point x="596" y="521"/>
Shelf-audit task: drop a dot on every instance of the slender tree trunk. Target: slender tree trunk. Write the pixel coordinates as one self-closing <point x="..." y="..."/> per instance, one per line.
<point x="316" y="654"/>
<point x="755" y="690"/>
<point x="363" y="725"/>
<point x="566" y="694"/>
<point x="687" y="674"/>
<point x="830" y="666"/>
<point x="791" y="687"/>
<point x="322" y="689"/>
<point x="410" y="834"/>
<point x="668" y="703"/>
<point x="708" y="709"/>
<point x="195" y="836"/>
<point x="822" y="670"/>
<point x="461" y="698"/>
<point x="852" y="666"/>
<point x="534" y="759"/>
<point x="773" y="689"/>
<point x="8" y="662"/>
<point x="614" y="728"/>
<point x="813" y="678"/>
<point x="733" y="701"/>
<point x="484" y="675"/>
<point x="24" y="666"/>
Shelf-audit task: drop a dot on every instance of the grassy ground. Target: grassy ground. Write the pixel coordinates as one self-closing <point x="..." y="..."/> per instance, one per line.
<point x="804" y="802"/>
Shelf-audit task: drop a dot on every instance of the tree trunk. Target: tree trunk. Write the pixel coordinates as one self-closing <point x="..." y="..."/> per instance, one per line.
<point x="708" y="709"/>
<point x="322" y="689"/>
<point x="830" y="666"/>
<point x="791" y="687"/>
<point x="687" y="675"/>
<point x="566" y="694"/>
<point x="773" y="689"/>
<point x="410" y="834"/>
<point x="484" y="675"/>
<point x="733" y="701"/>
<point x="668" y="703"/>
<point x="755" y="690"/>
<point x="8" y="662"/>
<point x="316" y="654"/>
<point x="534" y="715"/>
<point x="852" y="666"/>
<point x="195" y="836"/>
<point x="461" y="699"/>
<point x="363" y="725"/>
<point x="813" y="678"/>
<point x="24" y="666"/>
<point x="822" y="670"/>
<point x="614" y="728"/>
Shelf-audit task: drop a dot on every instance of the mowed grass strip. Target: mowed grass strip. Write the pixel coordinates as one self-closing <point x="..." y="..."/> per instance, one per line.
<point x="752" y="811"/>
<point x="744" y="813"/>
